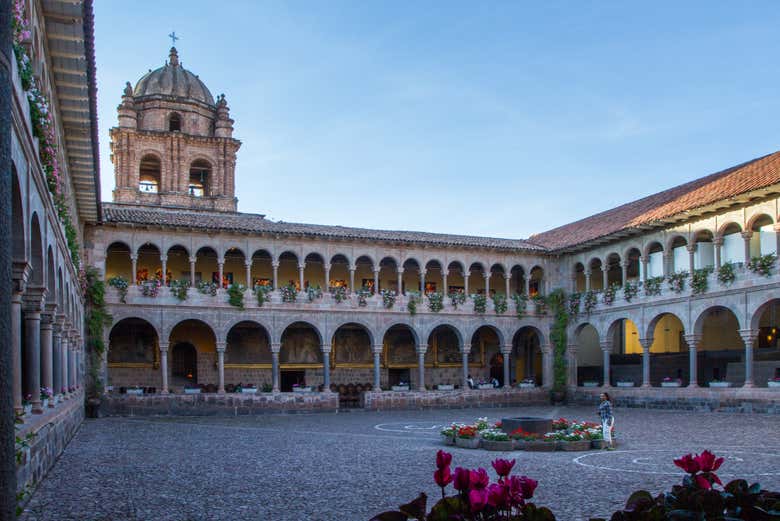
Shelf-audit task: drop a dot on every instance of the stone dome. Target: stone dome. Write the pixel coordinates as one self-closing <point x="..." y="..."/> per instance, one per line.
<point x="173" y="80"/>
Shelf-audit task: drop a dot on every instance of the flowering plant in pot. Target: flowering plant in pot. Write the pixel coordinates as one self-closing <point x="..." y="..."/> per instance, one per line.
<point x="121" y="285"/>
<point x="467" y="437"/>
<point x="480" y="303"/>
<point x="289" y="293"/>
<point x="653" y="286"/>
<point x="388" y="298"/>
<point x="448" y="433"/>
<point x="207" y="288"/>
<point x="261" y="292"/>
<point x="313" y="293"/>
<point x="496" y="439"/>
<point x="179" y="288"/>
<point x="540" y="304"/>
<point x="726" y="273"/>
<point x="677" y="281"/>
<point x="151" y="288"/>
<point x="412" y="299"/>
<point x="362" y="297"/>
<point x="521" y="304"/>
<point x="435" y="302"/>
<point x="574" y="304"/>
<point x="609" y="294"/>
<point x="591" y="300"/>
<point x="339" y="293"/>
<point x="236" y="295"/>
<point x="630" y="290"/>
<point x="499" y="304"/>
<point x="457" y="298"/>
<point x="762" y="264"/>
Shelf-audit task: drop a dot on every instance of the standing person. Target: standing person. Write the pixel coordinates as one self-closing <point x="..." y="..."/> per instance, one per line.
<point x="607" y="419"/>
<point x="470" y="381"/>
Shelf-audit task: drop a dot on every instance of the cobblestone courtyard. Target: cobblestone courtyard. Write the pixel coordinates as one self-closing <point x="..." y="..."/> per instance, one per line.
<point x="350" y="466"/>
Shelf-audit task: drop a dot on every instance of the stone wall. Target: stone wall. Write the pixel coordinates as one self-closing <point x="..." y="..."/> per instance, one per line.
<point x="394" y="400"/>
<point x="218" y="405"/>
<point x="754" y="400"/>
<point x="53" y="430"/>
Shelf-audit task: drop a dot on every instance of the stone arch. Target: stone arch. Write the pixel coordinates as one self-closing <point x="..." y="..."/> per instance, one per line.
<point x="36" y="252"/>
<point x="149" y="261"/>
<point x="118" y="261"/>
<point x="494" y="328"/>
<point x="731" y="315"/>
<point x="150" y="172"/>
<point x="318" y="328"/>
<point x="527" y="342"/>
<point x="167" y="330"/>
<point x="174" y="122"/>
<point x="301" y="343"/>
<point x="488" y="340"/>
<point x="342" y="257"/>
<point x="331" y="333"/>
<point x="458" y="264"/>
<point x="61" y="291"/>
<point x="401" y="322"/>
<point x="757" y="219"/>
<point x="247" y="341"/>
<point x="756" y="318"/>
<point x="675" y="240"/>
<point x="653" y="247"/>
<point x="446" y="340"/>
<point x="200" y="179"/>
<point x="428" y="331"/>
<point x="352" y="343"/>
<point x="612" y="263"/>
<point x="18" y="222"/>
<point x="728" y="227"/>
<point x="51" y="279"/>
<point x="133" y="339"/>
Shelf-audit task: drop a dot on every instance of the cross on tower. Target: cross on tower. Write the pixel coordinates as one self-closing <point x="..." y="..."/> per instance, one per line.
<point x="173" y="38"/>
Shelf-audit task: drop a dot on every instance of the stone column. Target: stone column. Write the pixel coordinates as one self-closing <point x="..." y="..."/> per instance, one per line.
<point x="327" y="277"/>
<point x="421" y="349"/>
<point x="221" y="268"/>
<point x="644" y="261"/>
<point x="606" y="351"/>
<point x="72" y="375"/>
<point x="571" y="363"/>
<point x="777" y="243"/>
<point x="646" y="343"/>
<point x="164" y="366"/>
<point x="749" y="337"/>
<point x="249" y="283"/>
<point x="466" y="276"/>
<point x="422" y="282"/>
<point x="693" y="342"/>
<point x="275" y="266"/>
<point x="547" y="366"/>
<point x="717" y="242"/>
<point x="507" y="278"/>
<point x="192" y="271"/>
<point x="65" y="367"/>
<point x="16" y="335"/>
<point x="605" y="276"/>
<point x="747" y="236"/>
<point x="57" y="350"/>
<point x="275" y="348"/>
<point x="400" y="281"/>
<point x="351" y="278"/>
<point x="134" y="274"/>
<point x="164" y="262"/>
<point x="221" y="367"/>
<point x="506" y="351"/>
<point x="587" y="281"/>
<point x="465" y="352"/>
<point x="376" y="282"/>
<point x="47" y="350"/>
<point x="301" y="269"/>
<point x="377" y="351"/>
<point x="624" y="271"/>
<point x="33" y="305"/>
<point x="691" y="258"/>
<point x="487" y="285"/>
<point x="325" y="367"/>
<point x="446" y="289"/>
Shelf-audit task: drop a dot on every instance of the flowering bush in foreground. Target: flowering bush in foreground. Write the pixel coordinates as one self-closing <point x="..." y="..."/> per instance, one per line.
<point x="508" y="499"/>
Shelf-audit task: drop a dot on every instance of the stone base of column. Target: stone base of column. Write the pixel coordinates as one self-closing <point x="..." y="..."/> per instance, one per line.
<point x="164" y="391"/>
<point x="37" y="407"/>
<point x="645" y="385"/>
<point x="748" y="385"/>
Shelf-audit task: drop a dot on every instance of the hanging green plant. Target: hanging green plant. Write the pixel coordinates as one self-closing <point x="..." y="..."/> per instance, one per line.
<point x="121" y="285"/>
<point x="236" y="295"/>
<point x="557" y="303"/>
<point x="609" y="294"/>
<point x="653" y="286"/>
<point x="261" y="292"/>
<point x="521" y="304"/>
<point x="435" y="302"/>
<point x="677" y="281"/>
<point x="412" y="298"/>
<point x="339" y="293"/>
<point x="630" y="290"/>
<point x="362" y="297"/>
<point x="313" y="293"/>
<point x="726" y="273"/>
<point x="480" y="303"/>
<point x="499" y="303"/>
<point x="289" y="293"/>
<point x="179" y="288"/>
<point x="699" y="280"/>
<point x="763" y="264"/>
<point x="574" y="304"/>
<point x="97" y="318"/>
<point x="540" y="304"/>
<point x="207" y="288"/>
<point x="388" y="298"/>
<point x="590" y="301"/>
<point x="457" y="298"/>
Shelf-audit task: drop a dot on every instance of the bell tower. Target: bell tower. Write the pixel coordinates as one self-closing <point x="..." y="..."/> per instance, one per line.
<point x="174" y="145"/>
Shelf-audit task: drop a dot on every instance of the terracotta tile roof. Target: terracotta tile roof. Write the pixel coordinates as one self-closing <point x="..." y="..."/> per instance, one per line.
<point x="254" y="223"/>
<point x="746" y="177"/>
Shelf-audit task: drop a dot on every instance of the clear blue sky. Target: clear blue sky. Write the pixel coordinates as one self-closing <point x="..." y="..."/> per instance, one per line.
<point x="486" y="118"/>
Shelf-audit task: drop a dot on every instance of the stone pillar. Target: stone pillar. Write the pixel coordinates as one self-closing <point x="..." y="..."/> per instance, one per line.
<point x="465" y="352"/>
<point x="691" y="258"/>
<point x="646" y="343"/>
<point x="506" y="351"/>
<point x="717" y="242"/>
<point x="134" y="273"/>
<point x="777" y="243"/>
<point x="327" y="277"/>
<point x="57" y="352"/>
<point x="301" y="270"/>
<point x="221" y="268"/>
<point x="528" y="284"/>
<point x="72" y="374"/>
<point x="33" y="305"/>
<point x="221" y="367"/>
<point x="466" y="276"/>
<point x="400" y="281"/>
<point x="351" y="278"/>
<point x="47" y="350"/>
<point x="747" y="236"/>
<point x="507" y="278"/>
<point x="624" y="271"/>
<point x="65" y="367"/>
<point x="164" y="262"/>
<point x="487" y="285"/>
<point x="377" y="351"/>
<point x="644" y="261"/>
<point x="249" y="283"/>
<point x="275" y="348"/>
<point x="376" y="282"/>
<point x="192" y="271"/>
<point x="16" y="335"/>
<point x="422" y="282"/>
<point x="446" y="289"/>
<point x="571" y="363"/>
<point x="606" y="351"/>
<point x="605" y="276"/>
<point x="325" y="367"/>
<point x="421" y="349"/>
<point x="547" y="366"/>
<point x="275" y="266"/>
<point x="693" y="342"/>
<point x="587" y="281"/>
<point x="749" y="337"/>
<point x="164" y="366"/>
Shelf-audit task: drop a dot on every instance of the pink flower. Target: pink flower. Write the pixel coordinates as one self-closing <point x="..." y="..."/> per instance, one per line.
<point x="478" y="499"/>
<point x="688" y="464"/>
<point x="461" y="479"/>
<point x="703" y="482"/>
<point x="443" y="476"/>
<point x="708" y="462"/>
<point x="478" y="479"/>
<point x="443" y="459"/>
<point x="528" y="486"/>
<point x="498" y="495"/>
<point x="503" y="466"/>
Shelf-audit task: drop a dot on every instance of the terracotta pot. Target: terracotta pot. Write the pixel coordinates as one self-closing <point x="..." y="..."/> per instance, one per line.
<point x="467" y="443"/>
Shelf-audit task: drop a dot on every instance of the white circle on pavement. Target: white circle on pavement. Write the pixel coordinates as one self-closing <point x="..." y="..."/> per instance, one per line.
<point x="743" y="462"/>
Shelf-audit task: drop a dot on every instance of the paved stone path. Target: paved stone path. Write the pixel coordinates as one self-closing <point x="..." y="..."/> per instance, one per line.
<point x="350" y="466"/>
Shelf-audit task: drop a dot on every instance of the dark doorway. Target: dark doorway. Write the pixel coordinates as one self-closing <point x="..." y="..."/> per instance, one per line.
<point x="290" y="378"/>
<point x="184" y="361"/>
<point x="497" y="368"/>
<point x="399" y="376"/>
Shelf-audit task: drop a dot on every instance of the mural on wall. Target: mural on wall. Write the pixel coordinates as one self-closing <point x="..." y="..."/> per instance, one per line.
<point x="401" y="347"/>
<point x="300" y="345"/>
<point x="132" y="341"/>
<point x="448" y="348"/>
<point x="247" y="344"/>
<point x="352" y="346"/>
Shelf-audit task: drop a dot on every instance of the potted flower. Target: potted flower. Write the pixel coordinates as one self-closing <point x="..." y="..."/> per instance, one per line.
<point x="388" y="298"/>
<point x="521" y="304"/>
<point x="435" y="302"/>
<point x="590" y="383"/>
<point x="362" y="297"/>
<point x="445" y="387"/>
<point x="151" y="288"/>
<point x="339" y="293"/>
<point x="207" y="288"/>
<point x="521" y="438"/>
<point x="135" y="390"/>
<point x="401" y="386"/>
<point x="47" y="396"/>
<point x="527" y="383"/>
<point x="448" y="434"/>
<point x="625" y="383"/>
<point x="496" y="439"/>
<point x="545" y="443"/>
<point x="467" y="437"/>
<point x="121" y="284"/>
<point x="596" y="437"/>
<point x="261" y="292"/>
<point x="574" y="441"/>
<point x="719" y="383"/>
<point x="499" y="304"/>
<point x="27" y="404"/>
<point x="457" y="298"/>
<point x="191" y="389"/>
<point x="480" y="303"/>
<point x="482" y="384"/>
<point x="289" y="293"/>
<point x="313" y="293"/>
<point x="774" y="382"/>
<point x="300" y="388"/>
<point x="671" y="382"/>
<point x="248" y="389"/>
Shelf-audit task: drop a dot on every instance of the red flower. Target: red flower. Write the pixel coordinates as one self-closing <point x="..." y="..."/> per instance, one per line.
<point x="498" y="495"/>
<point x="478" y="499"/>
<point x="688" y="464"/>
<point x="527" y="486"/>
<point x="461" y="479"/>
<point x="503" y="466"/>
<point x="443" y="459"/>
<point x="443" y="476"/>
<point x="478" y="479"/>
<point x="515" y="492"/>
<point x="703" y="482"/>
<point x="708" y="462"/>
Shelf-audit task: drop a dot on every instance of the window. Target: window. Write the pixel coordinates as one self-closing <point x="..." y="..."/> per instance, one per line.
<point x="174" y="123"/>
<point x="149" y="175"/>
<point x="148" y="185"/>
<point x="200" y="172"/>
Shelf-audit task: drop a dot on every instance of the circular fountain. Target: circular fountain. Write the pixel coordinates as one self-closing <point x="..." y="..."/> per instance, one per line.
<point x="532" y="424"/>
